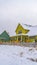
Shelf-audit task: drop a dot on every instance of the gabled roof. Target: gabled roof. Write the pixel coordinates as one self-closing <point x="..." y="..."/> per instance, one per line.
<point x="25" y="26"/>
<point x="32" y="29"/>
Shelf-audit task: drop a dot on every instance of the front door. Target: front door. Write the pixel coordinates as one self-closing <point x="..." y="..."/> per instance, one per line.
<point x="19" y="38"/>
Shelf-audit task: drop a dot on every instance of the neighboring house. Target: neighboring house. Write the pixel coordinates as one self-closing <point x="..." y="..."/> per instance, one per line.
<point x="4" y="37"/>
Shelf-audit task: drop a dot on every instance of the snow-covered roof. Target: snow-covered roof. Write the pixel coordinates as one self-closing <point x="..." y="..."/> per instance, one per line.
<point x="25" y="26"/>
<point x="19" y="34"/>
<point x="33" y="31"/>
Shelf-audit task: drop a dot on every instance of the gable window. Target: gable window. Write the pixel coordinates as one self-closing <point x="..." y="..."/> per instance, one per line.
<point x="20" y="32"/>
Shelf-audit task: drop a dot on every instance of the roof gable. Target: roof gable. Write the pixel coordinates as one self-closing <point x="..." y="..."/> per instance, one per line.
<point x="32" y="29"/>
<point x="24" y="26"/>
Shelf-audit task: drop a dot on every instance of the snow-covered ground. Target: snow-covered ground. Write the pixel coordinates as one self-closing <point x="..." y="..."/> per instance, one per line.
<point x="16" y="55"/>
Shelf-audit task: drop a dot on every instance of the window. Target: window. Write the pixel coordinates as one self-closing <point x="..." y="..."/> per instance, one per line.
<point x="20" y="32"/>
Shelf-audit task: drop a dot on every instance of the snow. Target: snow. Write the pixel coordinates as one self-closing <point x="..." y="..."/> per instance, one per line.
<point x="20" y="34"/>
<point x="33" y="31"/>
<point x="17" y="55"/>
<point x="25" y="26"/>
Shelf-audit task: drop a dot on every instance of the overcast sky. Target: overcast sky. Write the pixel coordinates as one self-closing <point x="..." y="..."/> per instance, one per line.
<point x="13" y="12"/>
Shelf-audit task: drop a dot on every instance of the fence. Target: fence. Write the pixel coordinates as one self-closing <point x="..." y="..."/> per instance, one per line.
<point x="20" y="43"/>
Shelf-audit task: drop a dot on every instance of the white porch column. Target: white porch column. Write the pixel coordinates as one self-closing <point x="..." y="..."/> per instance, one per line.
<point x="21" y="38"/>
<point x="17" y="38"/>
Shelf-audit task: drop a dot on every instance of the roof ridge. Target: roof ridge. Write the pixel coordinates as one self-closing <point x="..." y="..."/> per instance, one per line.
<point x="27" y="25"/>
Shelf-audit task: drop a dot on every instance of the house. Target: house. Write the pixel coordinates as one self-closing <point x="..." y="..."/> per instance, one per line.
<point x="21" y="35"/>
<point x="4" y="37"/>
<point x="25" y="33"/>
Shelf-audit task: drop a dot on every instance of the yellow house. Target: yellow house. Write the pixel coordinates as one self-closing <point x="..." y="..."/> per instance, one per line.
<point x="21" y="34"/>
<point x="25" y="33"/>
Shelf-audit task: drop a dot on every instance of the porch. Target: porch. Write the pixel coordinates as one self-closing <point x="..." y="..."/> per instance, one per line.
<point x="20" y="38"/>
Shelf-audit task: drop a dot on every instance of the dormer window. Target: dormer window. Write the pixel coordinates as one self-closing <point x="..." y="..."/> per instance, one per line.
<point x="20" y="32"/>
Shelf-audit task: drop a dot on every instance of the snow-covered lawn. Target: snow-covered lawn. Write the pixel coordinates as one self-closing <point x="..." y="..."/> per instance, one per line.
<point x="17" y="55"/>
